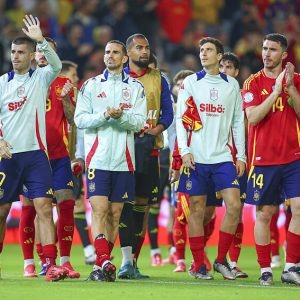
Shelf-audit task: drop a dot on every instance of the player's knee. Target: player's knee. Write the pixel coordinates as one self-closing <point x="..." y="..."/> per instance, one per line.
<point x="264" y="216"/>
<point x="4" y="211"/>
<point x="234" y="208"/>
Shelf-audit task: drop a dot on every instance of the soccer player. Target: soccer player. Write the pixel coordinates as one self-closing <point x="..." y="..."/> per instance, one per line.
<point x="76" y="150"/>
<point x="215" y="100"/>
<point x="272" y="103"/>
<point x="60" y="108"/>
<point x="230" y="65"/>
<point x="110" y="107"/>
<point x="159" y="118"/>
<point x="24" y="162"/>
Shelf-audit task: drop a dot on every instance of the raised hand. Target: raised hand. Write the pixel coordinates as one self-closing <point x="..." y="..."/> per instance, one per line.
<point x="33" y="28"/>
<point x="67" y="88"/>
<point x="289" y="74"/>
<point x="5" y="149"/>
<point x="278" y="83"/>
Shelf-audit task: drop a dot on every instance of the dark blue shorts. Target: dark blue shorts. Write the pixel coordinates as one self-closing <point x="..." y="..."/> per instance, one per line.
<point x="26" y="172"/>
<point x="214" y="198"/>
<point x="117" y="186"/>
<point x="243" y="186"/>
<point x="266" y="184"/>
<point x="62" y="174"/>
<point x="196" y="182"/>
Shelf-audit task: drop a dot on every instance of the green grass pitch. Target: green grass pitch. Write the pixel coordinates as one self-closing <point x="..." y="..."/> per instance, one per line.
<point x="163" y="284"/>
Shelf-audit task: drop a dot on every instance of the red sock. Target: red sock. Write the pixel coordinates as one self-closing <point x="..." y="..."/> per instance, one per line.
<point x="110" y="247"/>
<point x="292" y="248"/>
<point x="209" y="229"/>
<point x="65" y="227"/>
<point x="39" y="251"/>
<point x="263" y="255"/>
<point x="179" y="235"/>
<point x="102" y="249"/>
<point x="274" y="235"/>
<point x="235" y="248"/>
<point x="27" y="231"/>
<point x="50" y="253"/>
<point x="138" y="248"/>
<point x="225" y="241"/>
<point x="1" y="247"/>
<point x="170" y="239"/>
<point x="197" y="249"/>
<point x="288" y="216"/>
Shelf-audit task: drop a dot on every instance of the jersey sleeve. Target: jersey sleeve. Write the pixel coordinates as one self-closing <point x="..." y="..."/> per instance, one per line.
<point x="250" y="93"/>
<point x="84" y="116"/>
<point x="182" y="137"/>
<point x="50" y="72"/>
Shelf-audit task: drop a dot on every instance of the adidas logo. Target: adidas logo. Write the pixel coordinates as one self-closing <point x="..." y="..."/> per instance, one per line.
<point x="102" y="95"/>
<point x="125" y="196"/>
<point x="155" y="190"/>
<point x="50" y="192"/>
<point x="264" y="92"/>
<point x="67" y="238"/>
<point x="29" y="241"/>
<point x="235" y="182"/>
<point x="122" y="225"/>
<point x="70" y="183"/>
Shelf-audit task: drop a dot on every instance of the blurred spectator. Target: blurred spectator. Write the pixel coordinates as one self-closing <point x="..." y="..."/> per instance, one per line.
<point x="48" y="22"/>
<point x="247" y="20"/>
<point x="119" y="20"/>
<point x="102" y="35"/>
<point x="84" y="17"/>
<point x="248" y="49"/>
<point x="174" y="16"/>
<point x="207" y="11"/>
<point x="73" y="49"/>
<point x="143" y="14"/>
<point x="187" y="46"/>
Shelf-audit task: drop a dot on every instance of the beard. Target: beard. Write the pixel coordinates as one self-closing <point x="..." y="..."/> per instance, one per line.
<point x="141" y="64"/>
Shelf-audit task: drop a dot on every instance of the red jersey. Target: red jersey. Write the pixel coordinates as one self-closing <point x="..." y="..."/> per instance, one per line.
<point x="275" y="140"/>
<point x="56" y="122"/>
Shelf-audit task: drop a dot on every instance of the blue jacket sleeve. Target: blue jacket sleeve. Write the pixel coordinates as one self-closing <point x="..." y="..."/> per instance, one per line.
<point x="166" y="115"/>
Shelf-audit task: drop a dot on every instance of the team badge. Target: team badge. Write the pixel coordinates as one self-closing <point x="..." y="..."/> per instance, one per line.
<point x="188" y="185"/>
<point x="214" y="95"/>
<point x="126" y="94"/>
<point x="92" y="187"/>
<point x="256" y="195"/>
<point x="1" y="193"/>
<point x="248" y="97"/>
<point x="58" y="90"/>
<point x="21" y="91"/>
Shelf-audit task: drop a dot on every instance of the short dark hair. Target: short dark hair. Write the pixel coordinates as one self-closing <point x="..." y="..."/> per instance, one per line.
<point x="67" y="64"/>
<point x="119" y="43"/>
<point x="136" y="35"/>
<point x="278" y="38"/>
<point x="182" y="75"/>
<point x="50" y="40"/>
<point x="232" y="58"/>
<point x="216" y="42"/>
<point x="21" y="40"/>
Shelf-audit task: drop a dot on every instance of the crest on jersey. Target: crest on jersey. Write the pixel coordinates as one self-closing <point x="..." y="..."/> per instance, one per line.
<point x="188" y="185"/>
<point x="58" y="90"/>
<point x="126" y="94"/>
<point x="214" y="95"/>
<point x="256" y="195"/>
<point x="92" y="187"/>
<point x="248" y="97"/>
<point x="21" y="91"/>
